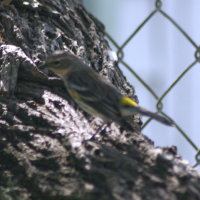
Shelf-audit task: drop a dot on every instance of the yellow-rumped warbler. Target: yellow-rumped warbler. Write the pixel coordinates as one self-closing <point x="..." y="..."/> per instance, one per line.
<point x="92" y="93"/>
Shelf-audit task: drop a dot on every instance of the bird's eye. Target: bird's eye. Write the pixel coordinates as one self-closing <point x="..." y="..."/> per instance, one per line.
<point x="56" y="62"/>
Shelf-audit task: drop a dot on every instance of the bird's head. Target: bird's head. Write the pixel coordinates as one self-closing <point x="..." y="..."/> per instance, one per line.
<point x="60" y="62"/>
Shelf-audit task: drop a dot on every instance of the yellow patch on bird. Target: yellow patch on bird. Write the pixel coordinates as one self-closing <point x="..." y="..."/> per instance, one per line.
<point x="126" y="101"/>
<point x="74" y="94"/>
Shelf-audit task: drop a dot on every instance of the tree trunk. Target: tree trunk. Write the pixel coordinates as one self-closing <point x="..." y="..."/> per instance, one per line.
<point x="46" y="146"/>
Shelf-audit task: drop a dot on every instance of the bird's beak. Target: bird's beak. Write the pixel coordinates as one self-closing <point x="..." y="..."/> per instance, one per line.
<point x="42" y="66"/>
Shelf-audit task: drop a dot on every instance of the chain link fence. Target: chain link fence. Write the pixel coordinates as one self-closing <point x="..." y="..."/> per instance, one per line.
<point x="159" y="99"/>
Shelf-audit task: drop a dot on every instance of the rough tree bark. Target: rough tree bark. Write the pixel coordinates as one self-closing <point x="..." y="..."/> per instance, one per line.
<point x="46" y="150"/>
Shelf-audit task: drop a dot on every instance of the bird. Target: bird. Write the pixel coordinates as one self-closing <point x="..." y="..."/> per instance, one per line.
<point x="93" y="93"/>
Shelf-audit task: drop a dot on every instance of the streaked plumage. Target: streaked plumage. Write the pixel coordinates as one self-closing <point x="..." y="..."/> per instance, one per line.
<point x="92" y="92"/>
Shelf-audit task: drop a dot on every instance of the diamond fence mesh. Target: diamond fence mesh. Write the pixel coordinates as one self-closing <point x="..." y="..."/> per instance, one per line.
<point x="159" y="99"/>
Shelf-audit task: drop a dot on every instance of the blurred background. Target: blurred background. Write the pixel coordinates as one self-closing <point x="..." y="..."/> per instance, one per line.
<point x="159" y="53"/>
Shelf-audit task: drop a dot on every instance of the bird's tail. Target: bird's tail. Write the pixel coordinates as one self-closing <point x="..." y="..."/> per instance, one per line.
<point x="155" y="116"/>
